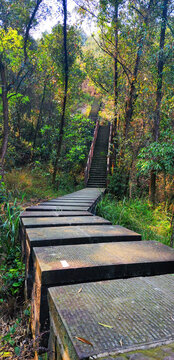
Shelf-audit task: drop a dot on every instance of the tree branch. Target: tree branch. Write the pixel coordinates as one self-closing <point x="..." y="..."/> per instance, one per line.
<point x="29" y="27"/>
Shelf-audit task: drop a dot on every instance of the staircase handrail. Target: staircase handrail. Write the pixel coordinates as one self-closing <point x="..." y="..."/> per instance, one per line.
<point x="109" y="151"/>
<point x="91" y="152"/>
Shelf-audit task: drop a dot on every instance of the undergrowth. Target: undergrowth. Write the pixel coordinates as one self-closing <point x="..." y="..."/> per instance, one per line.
<point x="35" y="183"/>
<point x="138" y="215"/>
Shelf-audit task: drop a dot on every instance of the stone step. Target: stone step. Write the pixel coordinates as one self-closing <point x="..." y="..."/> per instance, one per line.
<point x="62" y="265"/>
<point x="136" y="313"/>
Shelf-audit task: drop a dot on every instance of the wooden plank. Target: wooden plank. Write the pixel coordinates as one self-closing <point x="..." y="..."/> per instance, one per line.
<point x="63" y="221"/>
<point x="26" y="214"/>
<point x="57" y="208"/>
<point x="62" y="265"/>
<point x="79" y="234"/>
<point x="137" y="312"/>
<point x="64" y="203"/>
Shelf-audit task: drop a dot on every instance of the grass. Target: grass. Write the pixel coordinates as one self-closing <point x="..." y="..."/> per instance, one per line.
<point x="34" y="184"/>
<point x="138" y="215"/>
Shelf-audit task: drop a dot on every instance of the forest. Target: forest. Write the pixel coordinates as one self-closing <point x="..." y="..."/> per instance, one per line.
<point x="50" y="86"/>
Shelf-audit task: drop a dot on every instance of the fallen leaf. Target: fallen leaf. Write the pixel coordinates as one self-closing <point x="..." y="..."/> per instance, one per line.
<point x="121" y="342"/>
<point x="79" y="291"/>
<point x="83" y="340"/>
<point x="108" y="326"/>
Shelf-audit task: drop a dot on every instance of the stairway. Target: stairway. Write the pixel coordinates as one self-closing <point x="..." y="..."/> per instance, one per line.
<point x="97" y="174"/>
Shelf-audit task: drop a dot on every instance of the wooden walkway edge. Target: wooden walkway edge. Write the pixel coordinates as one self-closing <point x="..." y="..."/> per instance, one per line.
<point x="98" y="281"/>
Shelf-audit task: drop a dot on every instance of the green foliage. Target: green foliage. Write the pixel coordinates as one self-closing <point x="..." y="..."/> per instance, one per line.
<point x="157" y="156"/>
<point x="137" y="215"/>
<point x="11" y="47"/>
<point x="66" y="182"/>
<point x="77" y="138"/>
<point x="12" y="267"/>
<point x="3" y="191"/>
<point x="10" y="227"/>
<point x="13" y="274"/>
<point x="118" y="183"/>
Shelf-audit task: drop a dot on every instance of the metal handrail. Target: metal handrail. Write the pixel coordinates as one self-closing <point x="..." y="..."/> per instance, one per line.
<point x="91" y="153"/>
<point x="109" y="151"/>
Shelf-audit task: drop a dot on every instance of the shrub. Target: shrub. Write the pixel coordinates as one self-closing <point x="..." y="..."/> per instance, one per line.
<point x="137" y="215"/>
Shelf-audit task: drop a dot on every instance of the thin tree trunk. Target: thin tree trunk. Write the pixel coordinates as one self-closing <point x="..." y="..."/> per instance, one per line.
<point x="114" y="134"/>
<point x="152" y="187"/>
<point x="132" y="93"/>
<point x="40" y="114"/>
<point x="5" y="119"/>
<point x="62" y="123"/>
<point x="161" y="61"/>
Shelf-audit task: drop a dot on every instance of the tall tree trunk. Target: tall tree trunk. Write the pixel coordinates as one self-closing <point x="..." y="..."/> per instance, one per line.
<point x="39" y="119"/>
<point x="5" y="118"/>
<point x="161" y="62"/>
<point x="62" y="122"/>
<point x="156" y="126"/>
<point x="114" y="133"/>
<point x="132" y="93"/>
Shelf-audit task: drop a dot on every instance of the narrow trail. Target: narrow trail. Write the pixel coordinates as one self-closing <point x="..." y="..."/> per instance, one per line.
<point x="98" y="288"/>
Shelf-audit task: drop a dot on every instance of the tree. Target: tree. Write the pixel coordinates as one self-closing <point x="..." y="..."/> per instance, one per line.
<point x="66" y="76"/>
<point x="160" y="66"/>
<point x="7" y="52"/>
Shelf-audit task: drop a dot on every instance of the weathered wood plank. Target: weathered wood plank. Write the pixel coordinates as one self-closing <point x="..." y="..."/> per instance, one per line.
<point x="84" y="263"/>
<point x="137" y="311"/>
<point x="27" y="214"/>
<point x="57" y="208"/>
<point x="79" y="234"/>
<point x="63" y="221"/>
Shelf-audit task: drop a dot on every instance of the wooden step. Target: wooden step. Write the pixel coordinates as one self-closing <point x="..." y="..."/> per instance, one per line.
<point x="70" y="201"/>
<point x="28" y="214"/>
<point x="65" y="203"/>
<point x="69" y="235"/>
<point x="136" y="313"/>
<point x="62" y="265"/>
<point x="43" y="222"/>
<point x="57" y="208"/>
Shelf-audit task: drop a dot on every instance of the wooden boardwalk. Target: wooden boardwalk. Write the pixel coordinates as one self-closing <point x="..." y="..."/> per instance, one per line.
<point x="97" y="281"/>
